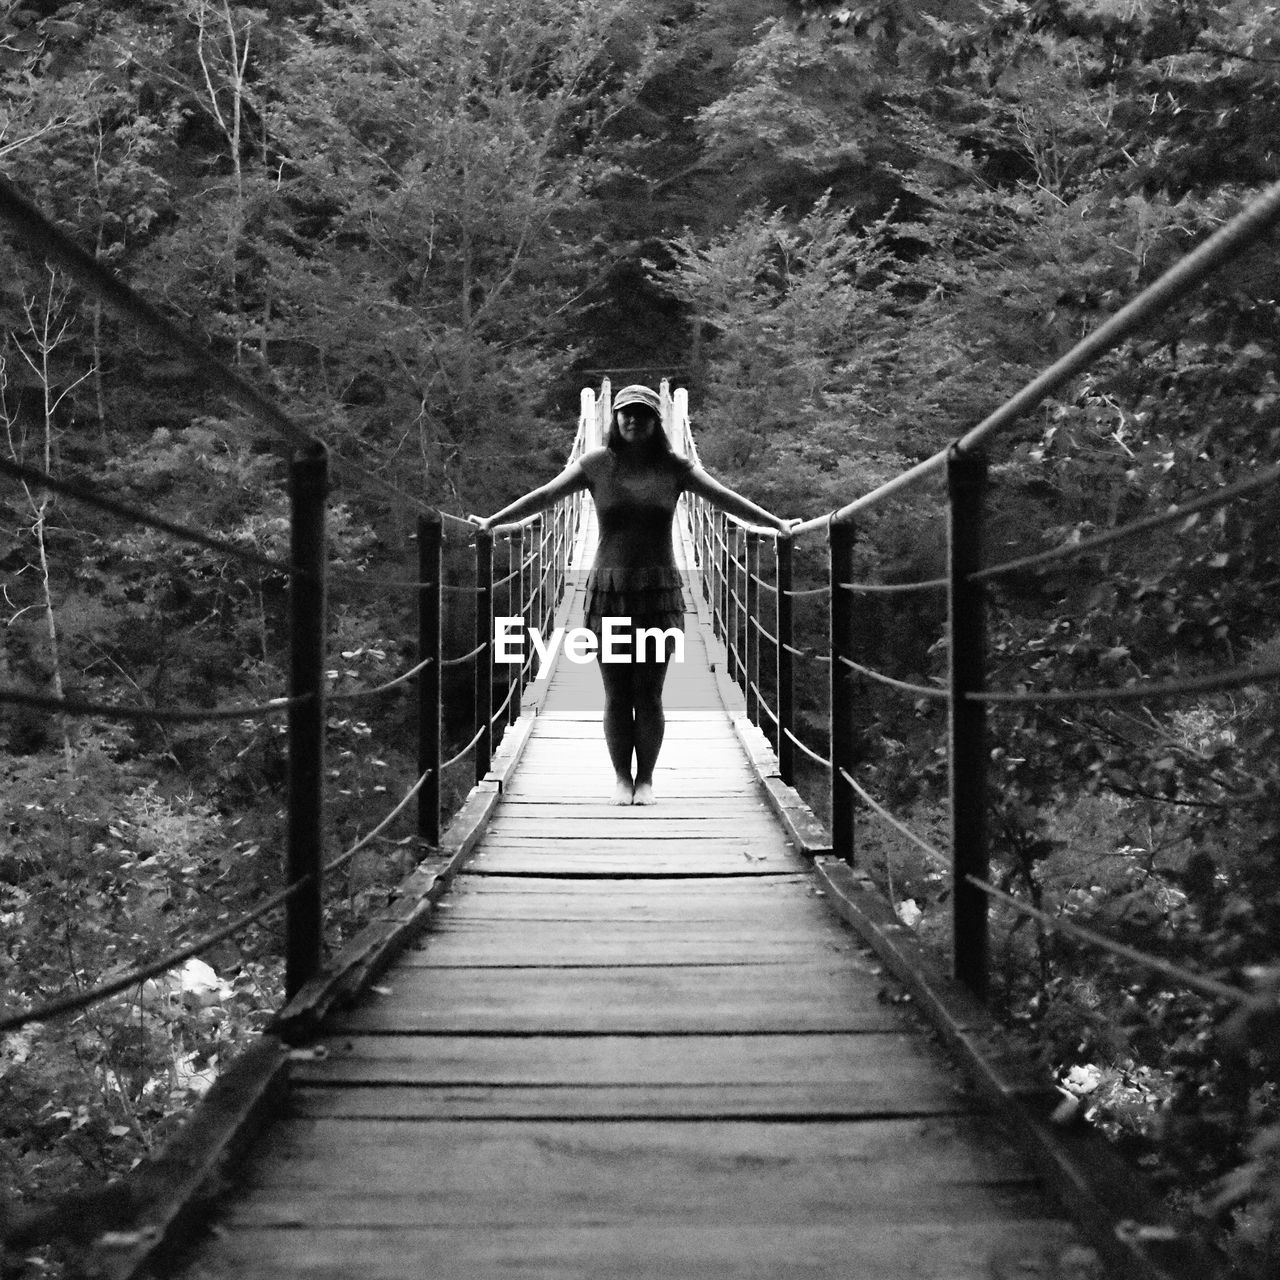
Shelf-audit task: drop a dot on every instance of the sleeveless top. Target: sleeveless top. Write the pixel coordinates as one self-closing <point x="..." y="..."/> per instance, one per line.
<point x="634" y="575"/>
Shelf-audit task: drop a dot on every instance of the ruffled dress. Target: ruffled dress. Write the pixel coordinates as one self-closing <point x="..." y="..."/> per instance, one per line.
<point x="634" y="575"/>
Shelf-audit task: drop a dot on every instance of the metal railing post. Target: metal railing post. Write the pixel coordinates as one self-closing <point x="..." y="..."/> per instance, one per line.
<point x="535" y="575"/>
<point x="842" y="679"/>
<point x="518" y="604"/>
<point x="734" y="597"/>
<point x="751" y="594"/>
<point x="429" y="650"/>
<point x="484" y="659"/>
<point x="785" y="630"/>
<point x="722" y="591"/>
<point x="308" y="490"/>
<point x="966" y="480"/>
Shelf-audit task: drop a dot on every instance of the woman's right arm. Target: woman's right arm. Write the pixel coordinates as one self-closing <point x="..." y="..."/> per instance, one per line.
<point x="570" y="480"/>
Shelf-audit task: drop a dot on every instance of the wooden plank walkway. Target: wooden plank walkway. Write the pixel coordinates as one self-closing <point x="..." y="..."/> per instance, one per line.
<point x="634" y="1043"/>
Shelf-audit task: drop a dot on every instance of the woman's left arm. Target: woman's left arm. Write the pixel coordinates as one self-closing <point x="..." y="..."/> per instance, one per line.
<point x="706" y="486"/>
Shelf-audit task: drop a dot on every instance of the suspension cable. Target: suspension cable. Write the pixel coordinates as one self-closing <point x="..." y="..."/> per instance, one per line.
<point x="762" y="702"/>
<point x="1237" y="679"/>
<point x="893" y="588"/>
<point x="920" y="690"/>
<point x="463" y="657"/>
<point x="104" y="991"/>
<point x="353" y="695"/>
<point x="1224" y="245"/>
<point x="343" y="858"/>
<point x="116" y="711"/>
<point x="1211" y="988"/>
<point x="813" y="755"/>
<point x="1218" y="497"/>
<point x="91" y="497"/>
<point x="934" y="855"/>
<point x="454" y="759"/>
<point x="807" y="654"/>
<point x="37" y="236"/>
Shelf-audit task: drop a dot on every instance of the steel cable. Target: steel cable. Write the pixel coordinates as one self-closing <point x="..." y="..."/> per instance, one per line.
<point x="114" y="711"/>
<point x="90" y="497"/>
<point x="1211" y="988"/>
<point x="892" y="588"/>
<point x="920" y="690"/>
<point x="1217" y="498"/>
<point x="935" y="855"/>
<point x="1224" y="245"/>
<point x="813" y="755"/>
<point x="36" y="235"/>
<point x="1236" y="679"/>
<point x="456" y="758"/>
<point x="343" y="858"/>
<point x="95" y="995"/>
<point x="464" y="657"/>
<point x="355" y="694"/>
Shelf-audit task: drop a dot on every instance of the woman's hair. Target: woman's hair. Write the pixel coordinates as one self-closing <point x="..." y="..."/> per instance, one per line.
<point x="657" y="444"/>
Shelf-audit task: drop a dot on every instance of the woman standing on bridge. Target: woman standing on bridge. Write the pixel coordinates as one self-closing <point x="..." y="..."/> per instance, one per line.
<point x="635" y="482"/>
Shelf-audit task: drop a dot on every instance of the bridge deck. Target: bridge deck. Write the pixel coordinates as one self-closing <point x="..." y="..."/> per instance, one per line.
<point x="634" y="1042"/>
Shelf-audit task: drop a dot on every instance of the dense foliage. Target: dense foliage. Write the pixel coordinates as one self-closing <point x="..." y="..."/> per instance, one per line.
<point x="851" y="231"/>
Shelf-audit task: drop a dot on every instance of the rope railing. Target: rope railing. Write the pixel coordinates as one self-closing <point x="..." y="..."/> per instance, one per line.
<point x="309" y="575"/>
<point x="1210" y="988"/>
<point x="355" y="695"/>
<point x="739" y="619"/>
<point x="890" y="588"/>
<point x="172" y="715"/>
<point x="1070" y="550"/>
<point x="907" y="686"/>
<point x="67" y="1005"/>
<point x="90" y="496"/>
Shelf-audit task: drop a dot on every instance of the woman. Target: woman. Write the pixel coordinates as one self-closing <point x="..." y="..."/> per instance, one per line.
<point x="635" y="482"/>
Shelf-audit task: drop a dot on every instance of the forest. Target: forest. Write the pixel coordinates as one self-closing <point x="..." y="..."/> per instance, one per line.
<point x="850" y="231"/>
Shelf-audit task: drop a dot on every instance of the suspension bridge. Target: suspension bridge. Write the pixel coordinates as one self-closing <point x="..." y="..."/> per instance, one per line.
<point x="582" y="1040"/>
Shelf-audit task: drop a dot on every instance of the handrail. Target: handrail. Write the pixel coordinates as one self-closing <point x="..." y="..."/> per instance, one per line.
<point x="1226" y="244"/>
<point x="740" y="618"/>
<point x="306" y="569"/>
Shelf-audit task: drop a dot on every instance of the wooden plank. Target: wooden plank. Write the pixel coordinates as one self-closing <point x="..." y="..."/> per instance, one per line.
<point x="652" y="824"/>
<point x="397" y="1208"/>
<point x="709" y="728"/>
<point x="853" y="1062"/>
<point x="810" y="1102"/>
<point x="711" y="998"/>
<point x="582" y="808"/>
<point x="787" y="886"/>
<point x="633" y="841"/>
<point x="748" y="901"/>
<point x="708" y="1251"/>
<point x="647" y="943"/>
<point x="628" y="860"/>
<point x="904" y="1169"/>
<point x="722" y="809"/>
<point x="1098" y="1186"/>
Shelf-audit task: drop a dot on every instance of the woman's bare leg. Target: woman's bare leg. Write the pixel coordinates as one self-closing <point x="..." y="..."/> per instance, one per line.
<point x="647" y="679"/>
<point x="619" y="727"/>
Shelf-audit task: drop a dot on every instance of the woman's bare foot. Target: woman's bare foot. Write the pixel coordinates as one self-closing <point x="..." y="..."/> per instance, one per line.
<point x="643" y="793"/>
<point x="622" y="792"/>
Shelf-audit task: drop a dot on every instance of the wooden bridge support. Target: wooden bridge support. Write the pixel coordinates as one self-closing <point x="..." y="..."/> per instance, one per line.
<point x="484" y="656"/>
<point x="429" y="650"/>
<point x="785" y="674"/>
<point x="843" y="537"/>
<point x="304" y="923"/>
<point x="966" y="648"/>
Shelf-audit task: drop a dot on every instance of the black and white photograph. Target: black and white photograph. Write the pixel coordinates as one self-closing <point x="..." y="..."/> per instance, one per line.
<point x="639" y="640"/>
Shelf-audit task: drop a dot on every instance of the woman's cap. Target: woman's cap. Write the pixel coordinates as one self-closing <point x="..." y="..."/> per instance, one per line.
<point x="637" y="394"/>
